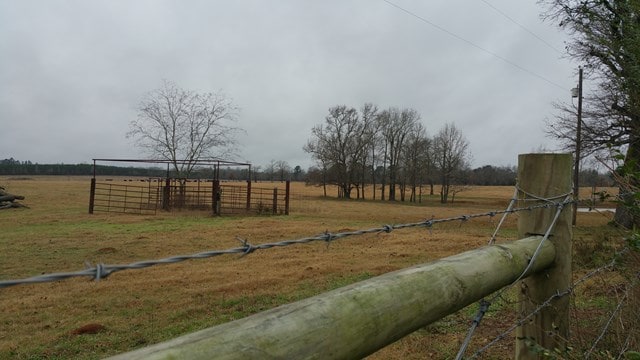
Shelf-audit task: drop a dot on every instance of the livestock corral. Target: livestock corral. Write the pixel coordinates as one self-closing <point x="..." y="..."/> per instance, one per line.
<point x="85" y="318"/>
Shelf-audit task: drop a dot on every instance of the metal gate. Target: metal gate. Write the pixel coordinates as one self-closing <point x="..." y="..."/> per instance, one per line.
<point x="124" y="198"/>
<point x="181" y="194"/>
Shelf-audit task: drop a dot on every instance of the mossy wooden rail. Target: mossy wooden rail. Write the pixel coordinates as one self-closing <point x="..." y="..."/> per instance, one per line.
<point x="356" y="320"/>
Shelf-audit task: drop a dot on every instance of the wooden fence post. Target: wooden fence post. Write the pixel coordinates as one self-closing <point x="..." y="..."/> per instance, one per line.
<point x="92" y="195"/>
<point x="166" y="195"/>
<point x="216" y="197"/>
<point x="275" y="200"/>
<point x="249" y="194"/>
<point x="546" y="176"/>
<point x="286" y="197"/>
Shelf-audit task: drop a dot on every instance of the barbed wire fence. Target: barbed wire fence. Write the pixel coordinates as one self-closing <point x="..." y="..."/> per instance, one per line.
<point x="622" y="315"/>
<point x="484" y="303"/>
<point x="609" y="324"/>
<point x="101" y="271"/>
<point x="572" y="291"/>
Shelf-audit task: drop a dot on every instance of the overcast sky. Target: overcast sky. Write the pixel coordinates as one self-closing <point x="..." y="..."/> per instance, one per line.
<point x="73" y="72"/>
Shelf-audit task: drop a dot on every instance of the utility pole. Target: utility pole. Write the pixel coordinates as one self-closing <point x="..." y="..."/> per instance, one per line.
<point x="576" y="168"/>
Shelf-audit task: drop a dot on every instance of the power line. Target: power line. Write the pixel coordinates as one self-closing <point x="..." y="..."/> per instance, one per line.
<point x="426" y="21"/>
<point x="521" y="26"/>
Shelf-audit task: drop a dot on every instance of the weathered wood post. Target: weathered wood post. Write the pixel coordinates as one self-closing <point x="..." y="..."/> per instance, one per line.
<point x="92" y="195"/>
<point x="198" y="194"/>
<point x="286" y="197"/>
<point x="216" y="197"/>
<point x="92" y="192"/>
<point x="545" y="176"/>
<point x="249" y="193"/>
<point x="275" y="201"/>
<point x="166" y="195"/>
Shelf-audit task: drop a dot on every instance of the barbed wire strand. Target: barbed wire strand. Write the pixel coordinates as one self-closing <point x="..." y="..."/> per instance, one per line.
<point x="484" y="303"/>
<point x="625" y="346"/>
<point x="549" y="300"/>
<point x="533" y="197"/>
<point x="101" y="271"/>
<point x="609" y="321"/>
<point x="513" y="200"/>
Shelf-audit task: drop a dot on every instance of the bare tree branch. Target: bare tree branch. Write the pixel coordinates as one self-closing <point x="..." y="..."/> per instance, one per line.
<point x="183" y="126"/>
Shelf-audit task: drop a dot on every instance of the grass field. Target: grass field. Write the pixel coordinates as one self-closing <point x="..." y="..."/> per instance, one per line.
<point x="85" y="319"/>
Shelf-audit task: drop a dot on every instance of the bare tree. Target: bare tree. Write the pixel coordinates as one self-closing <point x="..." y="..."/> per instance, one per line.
<point x="183" y="126"/>
<point x="395" y="126"/>
<point x="271" y="169"/>
<point x="450" y="156"/>
<point x="339" y="145"/>
<point x="606" y="39"/>
<point x="416" y="159"/>
<point x="368" y="115"/>
<point x="256" y="171"/>
<point x="283" y="169"/>
<point x="349" y="145"/>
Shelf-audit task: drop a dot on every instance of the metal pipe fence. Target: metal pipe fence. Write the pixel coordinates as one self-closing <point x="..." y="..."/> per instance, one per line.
<point x="181" y="194"/>
<point x="120" y="198"/>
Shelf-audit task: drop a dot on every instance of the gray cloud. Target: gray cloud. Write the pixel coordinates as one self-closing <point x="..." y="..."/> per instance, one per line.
<point x="72" y="72"/>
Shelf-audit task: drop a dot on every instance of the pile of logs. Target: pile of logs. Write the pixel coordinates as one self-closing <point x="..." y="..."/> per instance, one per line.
<point x="8" y="201"/>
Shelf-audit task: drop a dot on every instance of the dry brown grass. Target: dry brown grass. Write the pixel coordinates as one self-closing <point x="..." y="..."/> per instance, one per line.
<point x="135" y="308"/>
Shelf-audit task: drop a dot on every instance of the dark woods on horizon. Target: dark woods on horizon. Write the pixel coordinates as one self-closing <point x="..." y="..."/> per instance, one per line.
<point x="487" y="175"/>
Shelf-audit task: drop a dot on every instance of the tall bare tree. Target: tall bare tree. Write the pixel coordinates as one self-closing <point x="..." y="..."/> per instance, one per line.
<point x="395" y="126"/>
<point x="368" y="116"/>
<point x="284" y="170"/>
<point x="184" y="126"/>
<point x="417" y="159"/>
<point x="450" y="155"/>
<point x="271" y="169"/>
<point x="338" y="145"/>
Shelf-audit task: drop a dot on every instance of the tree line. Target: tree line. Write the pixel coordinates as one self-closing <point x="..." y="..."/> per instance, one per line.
<point x="275" y="170"/>
<point x="389" y="148"/>
<point x="15" y="167"/>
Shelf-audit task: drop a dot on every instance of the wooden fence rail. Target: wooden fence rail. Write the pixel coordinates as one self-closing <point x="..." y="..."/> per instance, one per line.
<point x="357" y="320"/>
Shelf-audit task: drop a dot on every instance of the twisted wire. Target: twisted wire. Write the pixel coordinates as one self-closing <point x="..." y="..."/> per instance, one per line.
<point x="548" y="302"/>
<point x="101" y="271"/>
<point x="610" y="320"/>
<point x="484" y="304"/>
<point x="513" y="200"/>
<point x="534" y="197"/>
